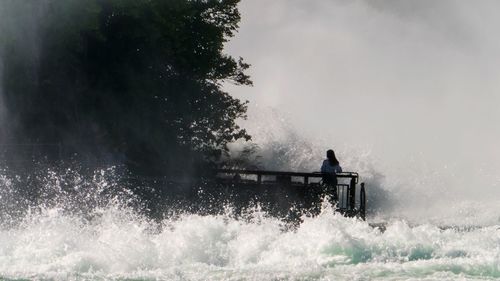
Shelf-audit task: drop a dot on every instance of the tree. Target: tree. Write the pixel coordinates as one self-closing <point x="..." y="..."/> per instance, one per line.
<point x="136" y="80"/>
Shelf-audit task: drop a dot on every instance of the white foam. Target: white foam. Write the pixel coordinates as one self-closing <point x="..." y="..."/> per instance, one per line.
<point x="121" y="244"/>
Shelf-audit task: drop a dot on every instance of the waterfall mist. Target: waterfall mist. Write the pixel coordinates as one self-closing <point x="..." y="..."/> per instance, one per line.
<point x="409" y="88"/>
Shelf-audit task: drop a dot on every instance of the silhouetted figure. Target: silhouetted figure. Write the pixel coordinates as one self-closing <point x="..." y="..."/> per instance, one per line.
<point x="330" y="168"/>
<point x="331" y="164"/>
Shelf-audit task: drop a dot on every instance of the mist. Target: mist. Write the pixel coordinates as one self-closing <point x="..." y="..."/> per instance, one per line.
<point x="409" y="88"/>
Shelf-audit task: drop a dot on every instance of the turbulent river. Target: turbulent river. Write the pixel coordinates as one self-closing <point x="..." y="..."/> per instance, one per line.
<point x="123" y="246"/>
<point x="50" y="239"/>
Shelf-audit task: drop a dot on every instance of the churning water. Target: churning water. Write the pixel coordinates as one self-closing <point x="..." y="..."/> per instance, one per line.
<point x="119" y="244"/>
<point x="88" y="228"/>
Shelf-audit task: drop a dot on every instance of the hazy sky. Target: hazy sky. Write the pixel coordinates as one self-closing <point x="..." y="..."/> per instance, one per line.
<point x="410" y="79"/>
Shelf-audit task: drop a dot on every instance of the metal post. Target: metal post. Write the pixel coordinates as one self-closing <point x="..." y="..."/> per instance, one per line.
<point x="362" y="202"/>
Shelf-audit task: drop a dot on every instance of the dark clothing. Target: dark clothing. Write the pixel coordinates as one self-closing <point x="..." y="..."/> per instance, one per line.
<point x="327" y="168"/>
<point x="329" y="172"/>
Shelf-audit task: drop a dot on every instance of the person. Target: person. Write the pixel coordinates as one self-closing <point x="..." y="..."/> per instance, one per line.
<point x="331" y="165"/>
<point x="330" y="168"/>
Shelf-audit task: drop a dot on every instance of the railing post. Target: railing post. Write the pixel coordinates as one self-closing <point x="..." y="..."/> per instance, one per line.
<point x="362" y="202"/>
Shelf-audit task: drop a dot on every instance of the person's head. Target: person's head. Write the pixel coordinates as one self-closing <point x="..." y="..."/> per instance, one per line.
<point x="330" y="155"/>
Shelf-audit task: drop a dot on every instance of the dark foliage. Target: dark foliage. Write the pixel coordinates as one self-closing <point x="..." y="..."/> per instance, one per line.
<point x="137" y="81"/>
